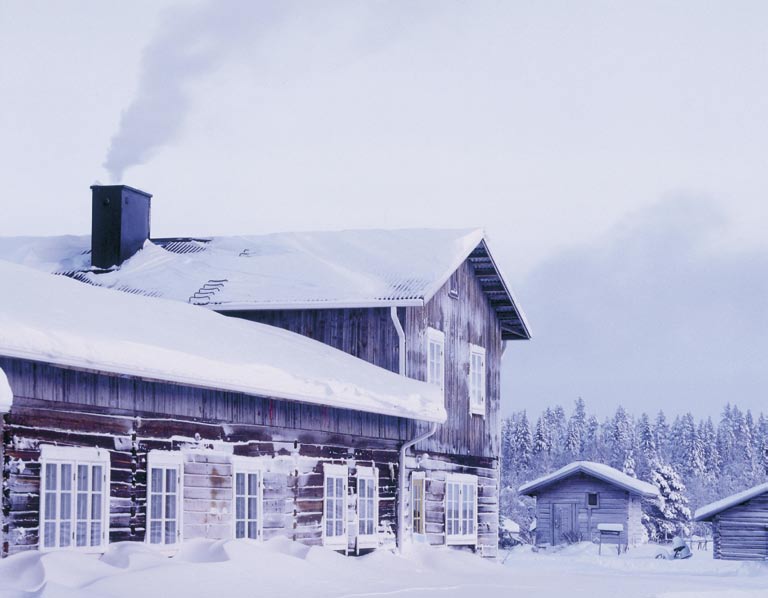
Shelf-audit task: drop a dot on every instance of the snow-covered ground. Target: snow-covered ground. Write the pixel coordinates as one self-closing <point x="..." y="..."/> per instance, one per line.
<point x="282" y="569"/>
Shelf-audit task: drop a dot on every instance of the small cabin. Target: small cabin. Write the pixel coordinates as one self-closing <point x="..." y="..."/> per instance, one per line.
<point x="739" y="525"/>
<point x="574" y="500"/>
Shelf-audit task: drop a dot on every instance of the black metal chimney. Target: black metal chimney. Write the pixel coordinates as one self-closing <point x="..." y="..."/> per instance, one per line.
<point x="119" y="225"/>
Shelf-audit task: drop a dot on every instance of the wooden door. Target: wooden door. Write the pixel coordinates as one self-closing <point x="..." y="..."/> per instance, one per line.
<point x="563" y="523"/>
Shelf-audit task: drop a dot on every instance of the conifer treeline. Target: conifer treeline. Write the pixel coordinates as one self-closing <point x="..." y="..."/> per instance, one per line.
<point x="712" y="460"/>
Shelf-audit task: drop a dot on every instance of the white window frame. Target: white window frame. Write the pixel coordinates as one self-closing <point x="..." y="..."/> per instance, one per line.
<point x="248" y="466"/>
<point x="335" y="472"/>
<point x="436" y="375"/>
<point x="420" y="478"/>
<point x="478" y="380"/>
<point x="165" y="460"/>
<point x="368" y="475"/>
<point x="74" y="456"/>
<point x="464" y="487"/>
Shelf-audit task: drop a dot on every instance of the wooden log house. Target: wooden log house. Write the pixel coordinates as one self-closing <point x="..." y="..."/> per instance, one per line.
<point x="574" y="502"/>
<point x="409" y="447"/>
<point x="739" y="525"/>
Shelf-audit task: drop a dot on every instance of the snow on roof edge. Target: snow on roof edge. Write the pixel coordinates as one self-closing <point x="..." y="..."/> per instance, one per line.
<point x="599" y="470"/>
<point x="714" y="508"/>
<point x="6" y="394"/>
<point x="80" y="330"/>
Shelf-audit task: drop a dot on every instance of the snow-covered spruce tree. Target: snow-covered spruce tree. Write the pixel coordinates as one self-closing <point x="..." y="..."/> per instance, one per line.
<point x="668" y="515"/>
<point x="621" y="438"/>
<point x="646" y="440"/>
<point x="592" y="444"/>
<point x="661" y="435"/>
<point x="542" y="446"/>
<point x="629" y="465"/>
<point x="523" y="444"/>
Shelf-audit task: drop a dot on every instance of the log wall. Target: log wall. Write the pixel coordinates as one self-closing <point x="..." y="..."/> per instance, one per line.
<point x="741" y="532"/>
<point x="613" y="507"/>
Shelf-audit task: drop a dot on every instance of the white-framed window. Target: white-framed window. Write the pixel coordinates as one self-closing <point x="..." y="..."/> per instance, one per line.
<point x="164" y="489"/>
<point x="248" y="494"/>
<point x="367" y="507"/>
<point x="75" y="498"/>
<point x="477" y="380"/>
<point x="461" y="509"/>
<point x="593" y="500"/>
<point x="436" y="357"/>
<point x="335" y="506"/>
<point x="418" y="503"/>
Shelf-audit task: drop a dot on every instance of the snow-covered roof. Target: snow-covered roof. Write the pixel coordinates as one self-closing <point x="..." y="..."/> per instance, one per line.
<point x="330" y="269"/>
<point x="6" y="396"/>
<point x="597" y="470"/>
<point x="60" y="321"/>
<point x="706" y="512"/>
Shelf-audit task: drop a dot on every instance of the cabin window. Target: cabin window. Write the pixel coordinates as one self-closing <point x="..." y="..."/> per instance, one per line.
<point x="164" y="493"/>
<point x="436" y="357"/>
<point x="335" y="506"/>
<point x="417" y="502"/>
<point x="367" y="507"/>
<point x="477" y="381"/>
<point x="75" y="491"/>
<point x="461" y="509"/>
<point x="248" y="498"/>
<point x="593" y="500"/>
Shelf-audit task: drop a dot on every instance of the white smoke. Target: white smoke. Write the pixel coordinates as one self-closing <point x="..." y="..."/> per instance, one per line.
<point x="191" y="42"/>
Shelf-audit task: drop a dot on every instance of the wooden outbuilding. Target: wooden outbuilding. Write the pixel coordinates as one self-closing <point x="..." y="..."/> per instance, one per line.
<point x="739" y="525"/>
<point x="574" y="501"/>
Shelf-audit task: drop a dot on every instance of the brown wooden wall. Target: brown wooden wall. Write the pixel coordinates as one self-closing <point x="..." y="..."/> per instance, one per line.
<point x="370" y="335"/>
<point x="466" y="319"/>
<point x="741" y="532"/>
<point x="613" y="507"/>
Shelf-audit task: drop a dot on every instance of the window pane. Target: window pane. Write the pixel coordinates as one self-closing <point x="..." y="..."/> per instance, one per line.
<point x="338" y="511"/>
<point x="253" y="512"/>
<point x="96" y="506"/>
<point x="82" y="478"/>
<point x="96" y="475"/>
<point x="253" y="483"/>
<point x="329" y="528"/>
<point x="81" y="533"/>
<point x="339" y="487"/>
<point x="240" y="483"/>
<point x="339" y="530"/>
<point x="170" y="506"/>
<point x="253" y="530"/>
<point x="50" y="535"/>
<point x="156" y="532"/>
<point x="96" y="533"/>
<point x="50" y="506"/>
<point x="65" y="533"/>
<point x="170" y="479"/>
<point x="170" y="532"/>
<point x="240" y="507"/>
<point x="50" y="475"/>
<point x="157" y="479"/>
<point x="156" y="506"/>
<point x="82" y="505"/>
<point x="66" y="476"/>
<point x="65" y="506"/>
<point x="240" y="529"/>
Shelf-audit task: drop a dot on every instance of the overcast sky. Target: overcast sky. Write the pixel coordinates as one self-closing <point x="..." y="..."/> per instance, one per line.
<point x="615" y="152"/>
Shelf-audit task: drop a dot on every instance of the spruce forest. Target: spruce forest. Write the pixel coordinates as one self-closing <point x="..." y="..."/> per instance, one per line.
<point x="692" y="462"/>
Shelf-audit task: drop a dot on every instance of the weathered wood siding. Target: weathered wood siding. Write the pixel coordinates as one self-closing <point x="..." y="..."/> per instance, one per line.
<point x="466" y="319"/>
<point x="613" y="507"/>
<point x="55" y="405"/>
<point x="368" y="334"/>
<point x="435" y="468"/>
<point x="741" y="532"/>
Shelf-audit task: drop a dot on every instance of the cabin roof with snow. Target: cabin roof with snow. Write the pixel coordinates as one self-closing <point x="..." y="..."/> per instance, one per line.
<point x="598" y="470"/>
<point x="305" y="270"/>
<point x="6" y="396"/>
<point x="60" y="321"/>
<point x="707" y="512"/>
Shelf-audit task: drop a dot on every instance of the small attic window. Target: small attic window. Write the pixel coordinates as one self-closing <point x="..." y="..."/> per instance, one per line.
<point x="453" y="285"/>
<point x="593" y="500"/>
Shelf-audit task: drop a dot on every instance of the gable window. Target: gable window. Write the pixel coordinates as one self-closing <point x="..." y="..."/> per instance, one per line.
<point x="593" y="500"/>
<point x="477" y="380"/>
<point x="75" y="491"/>
<point x="417" y="502"/>
<point x="461" y="509"/>
<point x="248" y="498"/>
<point x="436" y="357"/>
<point x="164" y="497"/>
<point x="367" y="507"/>
<point x="335" y="506"/>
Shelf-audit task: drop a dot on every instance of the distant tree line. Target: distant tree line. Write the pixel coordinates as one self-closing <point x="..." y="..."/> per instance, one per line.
<point x="692" y="462"/>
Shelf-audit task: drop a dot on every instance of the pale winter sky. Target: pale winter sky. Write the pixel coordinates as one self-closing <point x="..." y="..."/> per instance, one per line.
<point x="616" y="152"/>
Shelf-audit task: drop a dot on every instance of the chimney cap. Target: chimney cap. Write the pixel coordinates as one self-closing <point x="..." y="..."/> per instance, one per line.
<point x="134" y="189"/>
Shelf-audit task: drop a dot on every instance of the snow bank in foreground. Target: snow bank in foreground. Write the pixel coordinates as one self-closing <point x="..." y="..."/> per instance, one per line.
<point x="280" y="568"/>
<point x="6" y="396"/>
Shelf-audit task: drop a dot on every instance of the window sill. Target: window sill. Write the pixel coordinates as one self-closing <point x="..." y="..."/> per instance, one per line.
<point x="462" y="541"/>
